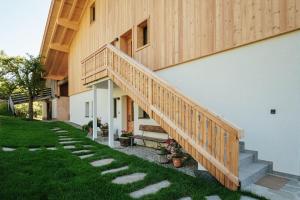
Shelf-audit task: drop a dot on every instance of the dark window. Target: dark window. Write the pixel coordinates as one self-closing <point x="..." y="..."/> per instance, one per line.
<point x="145" y="35"/>
<point x="92" y="13"/>
<point x="142" y="34"/>
<point x="115" y="107"/>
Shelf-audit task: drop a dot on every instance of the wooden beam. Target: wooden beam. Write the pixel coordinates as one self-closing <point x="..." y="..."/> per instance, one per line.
<point x="54" y="77"/>
<point x="59" y="47"/>
<point x="71" y="13"/>
<point x="67" y="24"/>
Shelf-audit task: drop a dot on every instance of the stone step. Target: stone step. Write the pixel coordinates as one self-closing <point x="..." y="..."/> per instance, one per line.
<point x="69" y="147"/>
<point x="247" y="157"/>
<point x="242" y="146"/>
<point x="150" y="189"/>
<point x="185" y="198"/>
<point x="86" y="156"/>
<point x="127" y="179"/>
<point x="114" y="170"/>
<point x="103" y="162"/>
<point x="81" y="151"/>
<point x="253" y="172"/>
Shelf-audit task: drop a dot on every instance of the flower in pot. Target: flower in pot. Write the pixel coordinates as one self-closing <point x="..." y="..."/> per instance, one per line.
<point x="125" y="139"/>
<point x="177" y="158"/>
<point x="162" y="155"/>
<point x="104" y="129"/>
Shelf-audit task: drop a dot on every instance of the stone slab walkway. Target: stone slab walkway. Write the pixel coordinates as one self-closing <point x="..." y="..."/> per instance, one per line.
<point x="103" y="162"/>
<point x="127" y="179"/>
<point x="115" y="170"/>
<point x="150" y="189"/>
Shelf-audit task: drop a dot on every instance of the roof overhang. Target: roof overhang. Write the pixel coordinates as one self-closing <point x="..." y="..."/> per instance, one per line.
<point x="62" y="24"/>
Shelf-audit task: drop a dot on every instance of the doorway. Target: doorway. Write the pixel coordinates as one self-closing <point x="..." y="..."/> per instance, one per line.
<point x="130" y="115"/>
<point x="126" y="43"/>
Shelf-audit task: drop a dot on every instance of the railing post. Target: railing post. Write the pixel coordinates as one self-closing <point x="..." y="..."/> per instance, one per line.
<point x="150" y="95"/>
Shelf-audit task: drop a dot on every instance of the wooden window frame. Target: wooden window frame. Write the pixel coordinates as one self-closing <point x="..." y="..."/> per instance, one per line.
<point x="92" y="12"/>
<point x="140" y="34"/>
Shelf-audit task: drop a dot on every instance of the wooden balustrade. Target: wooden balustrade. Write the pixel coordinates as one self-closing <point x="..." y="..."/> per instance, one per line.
<point x="209" y="139"/>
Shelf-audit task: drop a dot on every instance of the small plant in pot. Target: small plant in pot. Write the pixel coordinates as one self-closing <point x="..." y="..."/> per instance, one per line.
<point x="104" y="130"/>
<point x="125" y="138"/>
<point x="162" y="155"/>
<point x="177" y="158"/>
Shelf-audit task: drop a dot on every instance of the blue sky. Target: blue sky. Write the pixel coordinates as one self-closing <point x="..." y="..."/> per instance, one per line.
<point x="22" y="24"/>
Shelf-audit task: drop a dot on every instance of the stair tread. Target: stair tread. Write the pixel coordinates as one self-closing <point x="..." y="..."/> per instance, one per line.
<point x="251" y="169"/>
<point x="245" y="155"/>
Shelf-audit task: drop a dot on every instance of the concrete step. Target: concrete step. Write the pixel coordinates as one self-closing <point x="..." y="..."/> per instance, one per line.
<point x="242" y="146"/>
<point x="247" y="157"/>
<point x="253" y="172"/>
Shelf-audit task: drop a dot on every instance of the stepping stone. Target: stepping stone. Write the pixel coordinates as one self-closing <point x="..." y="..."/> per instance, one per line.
<point x="81" y="151"/>
<point x="150" y="189"/>
<point x="63" y="136"/>
<point x="213" y="197"/>
<point x="86" y="156"/>
<point x="87" y="146"/>
<point x="122" y="180"/>
<point x="69" y="147"/>
<point x="65" y="139"/>
<point x="100" y="163"/>
<point x="55" y="129"/>
<point x="185" y="198"/>
<point x="34" y="149"/>
<point x="114" y="170"/>
<point x="69" y="142"/>
<point x="51" y="148"/>
<point x="247" y="198"/>
<point x="61" y="131"/>
<point x="8" y="149"/>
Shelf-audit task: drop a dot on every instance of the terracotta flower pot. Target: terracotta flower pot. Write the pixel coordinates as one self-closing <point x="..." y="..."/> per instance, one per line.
<point x="177" y="162"/>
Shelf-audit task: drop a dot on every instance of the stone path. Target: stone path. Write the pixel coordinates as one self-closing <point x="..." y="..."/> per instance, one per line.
<point x="65" y="139"/>
<point x="150" y="189"/>
<point x="81" y="151"/>
<point x="61" y="131"/>
<point x="114" y="170"/>
<point x="69" y="142"/>
<point x="87" y="145"/>
<point x="123" y="180"/>
<point x="213" y="197"/>
<point x="185" y="198"/>
<point x="51" y="148"/>
<point x="69" y="147"/>
<point x="34" y="149"/>
<point x="103" y="162"/>
<point x="86" y="156"/>
<point x="8" y="149"/>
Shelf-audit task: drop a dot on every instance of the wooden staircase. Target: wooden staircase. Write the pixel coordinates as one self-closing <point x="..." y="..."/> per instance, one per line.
<point x="209" y="139"/>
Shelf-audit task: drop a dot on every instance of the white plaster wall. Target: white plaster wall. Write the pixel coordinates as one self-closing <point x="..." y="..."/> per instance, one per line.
<point x="54" y="108"/>
<point x="77" y="106"/>
<point x="120" y="121"/>
<point x="243" y="85"/>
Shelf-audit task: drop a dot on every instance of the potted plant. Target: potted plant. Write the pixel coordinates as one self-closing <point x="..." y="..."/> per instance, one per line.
<point x="104" y="130"/>
<point x="176" y="154"/>
<point x="177" y="158"/>
<point x="125" y="138"/>
<point x="162" y="155"/>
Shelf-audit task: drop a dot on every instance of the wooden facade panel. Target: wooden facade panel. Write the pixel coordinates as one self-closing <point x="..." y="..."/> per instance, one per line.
<point x="180" y="30"/>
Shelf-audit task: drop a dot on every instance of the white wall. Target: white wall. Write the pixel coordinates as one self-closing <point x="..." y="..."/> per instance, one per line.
<point x="77" y="106"/>
<point x="243" y="85"/>
<point x="54" y="108"/>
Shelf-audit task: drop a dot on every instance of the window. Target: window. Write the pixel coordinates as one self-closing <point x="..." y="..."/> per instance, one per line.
<point x="92" y="13"/>
<point x="142" y="34"/>
<point x="115" y="107"/>
<point x="87" y="109"/>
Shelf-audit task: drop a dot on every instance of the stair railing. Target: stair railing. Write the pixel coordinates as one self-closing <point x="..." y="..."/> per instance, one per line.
<point x="207" y="137"/>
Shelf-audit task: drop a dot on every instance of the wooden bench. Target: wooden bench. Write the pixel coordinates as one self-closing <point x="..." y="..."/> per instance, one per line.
<point x="150" y="128"/>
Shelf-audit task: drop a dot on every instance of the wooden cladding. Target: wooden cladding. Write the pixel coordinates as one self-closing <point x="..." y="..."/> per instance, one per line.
<point x="212" y="141"/>
<point x="181" y="30"/>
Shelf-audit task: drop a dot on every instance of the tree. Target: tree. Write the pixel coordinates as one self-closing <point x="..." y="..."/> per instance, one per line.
<point x="26" y="73"/>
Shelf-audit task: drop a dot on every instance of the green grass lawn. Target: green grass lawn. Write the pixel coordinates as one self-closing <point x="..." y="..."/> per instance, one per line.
<point x="59" y="174"/>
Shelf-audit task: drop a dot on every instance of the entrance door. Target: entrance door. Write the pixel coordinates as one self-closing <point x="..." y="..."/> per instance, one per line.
<point x="130" y="115"/>
<point x="126" y="43"/>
